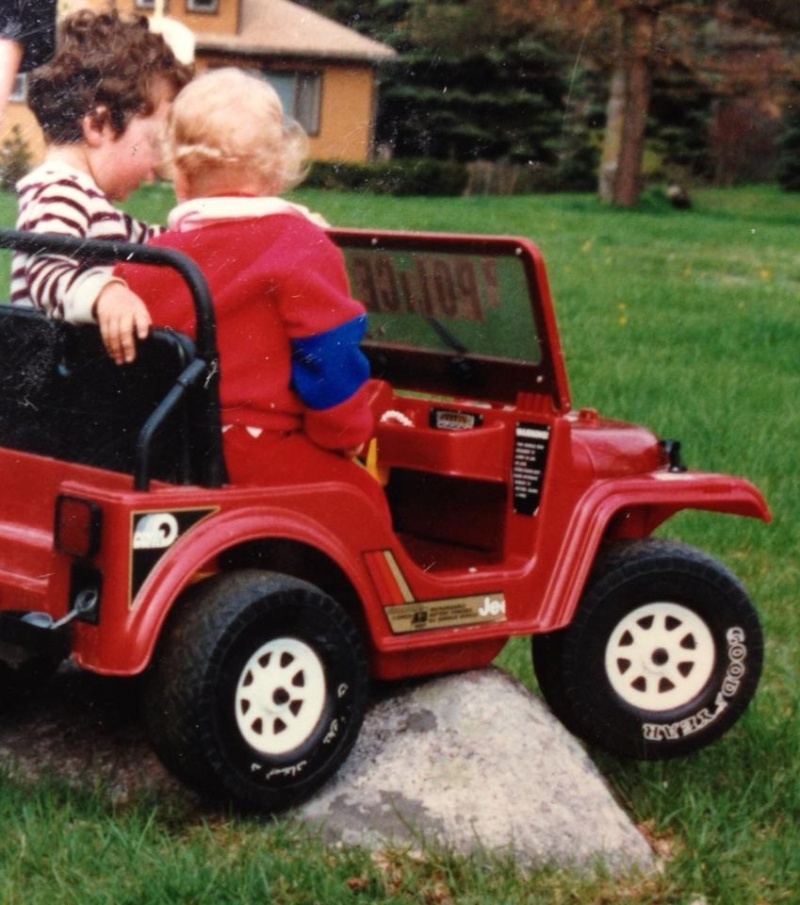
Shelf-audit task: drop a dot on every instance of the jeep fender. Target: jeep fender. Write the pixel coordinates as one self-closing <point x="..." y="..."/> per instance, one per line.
<point x="210" y="538"/>
<point x="635" y="507"/>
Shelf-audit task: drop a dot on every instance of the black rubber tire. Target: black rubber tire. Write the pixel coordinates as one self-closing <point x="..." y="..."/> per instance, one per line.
<point x="258" y="689"/>
<point x="663" y="655"/>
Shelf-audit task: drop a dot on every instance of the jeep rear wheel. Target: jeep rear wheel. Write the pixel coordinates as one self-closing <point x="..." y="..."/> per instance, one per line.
<point x="662" y="657"/>
<point x="258" y="690"/>
<point x="280" y="696"/>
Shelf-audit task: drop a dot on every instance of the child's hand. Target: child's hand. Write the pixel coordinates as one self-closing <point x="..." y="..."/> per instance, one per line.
<point x="122" y="317"/>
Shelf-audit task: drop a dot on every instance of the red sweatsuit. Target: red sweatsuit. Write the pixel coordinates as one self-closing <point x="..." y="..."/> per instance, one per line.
<point x="288" y="330"/>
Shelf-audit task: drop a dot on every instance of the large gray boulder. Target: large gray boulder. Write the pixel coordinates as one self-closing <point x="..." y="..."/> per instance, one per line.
<point x="468" y="763"/>
<point x="476" y="763"/>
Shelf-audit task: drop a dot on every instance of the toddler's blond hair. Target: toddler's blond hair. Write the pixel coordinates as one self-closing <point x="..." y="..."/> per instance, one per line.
<point x="227" y="122"/>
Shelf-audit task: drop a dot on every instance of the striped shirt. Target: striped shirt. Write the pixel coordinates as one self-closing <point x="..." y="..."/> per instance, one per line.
<point x="55" y="198"/>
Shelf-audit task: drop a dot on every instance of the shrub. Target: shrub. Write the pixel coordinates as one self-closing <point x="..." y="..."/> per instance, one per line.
<point x="503" y="177"/>
<point x="15" y="159"/>
<point x="789" y="163"/>
<point x="418" y="176"/>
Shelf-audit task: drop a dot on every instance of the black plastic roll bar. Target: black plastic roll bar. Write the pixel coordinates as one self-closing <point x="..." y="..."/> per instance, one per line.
<point x="203" y="372"/>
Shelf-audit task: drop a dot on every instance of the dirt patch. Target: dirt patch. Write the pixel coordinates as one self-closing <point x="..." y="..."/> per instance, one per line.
<point x="83" y="729"/>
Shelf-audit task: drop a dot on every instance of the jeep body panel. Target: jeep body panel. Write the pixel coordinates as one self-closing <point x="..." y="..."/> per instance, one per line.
<point x="416" y="286"/>
<point x="500" y="495"/>
<point x="262" y="612"/>
<point x="160" y="542"/>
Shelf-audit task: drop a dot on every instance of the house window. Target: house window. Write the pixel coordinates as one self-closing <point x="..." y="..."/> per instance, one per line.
<point x="145" y="4"/>
<point x="18" y="91"/>
<point x="202" y="6"/>
<point x="301" y="96"/>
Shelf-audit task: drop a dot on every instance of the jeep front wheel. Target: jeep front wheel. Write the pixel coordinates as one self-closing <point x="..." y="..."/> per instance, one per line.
<point x="662" y="657"/>
<point x="258" y="689"/>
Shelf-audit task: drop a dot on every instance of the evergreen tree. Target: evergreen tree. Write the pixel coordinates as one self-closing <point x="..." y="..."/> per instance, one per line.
<point x="679" y="122"/>
<point x="382" y="20"/>
<point x="498" y="79"/>
<point x="507" y="102"/>
<point x="789" y="164"/>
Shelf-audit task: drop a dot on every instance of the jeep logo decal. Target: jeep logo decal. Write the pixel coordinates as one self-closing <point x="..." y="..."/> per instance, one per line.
<point x="155" y="531"/>
<point x="152" y="535"/>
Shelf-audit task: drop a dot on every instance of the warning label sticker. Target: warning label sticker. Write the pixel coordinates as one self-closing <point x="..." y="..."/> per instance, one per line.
<point x="530" y="456"/>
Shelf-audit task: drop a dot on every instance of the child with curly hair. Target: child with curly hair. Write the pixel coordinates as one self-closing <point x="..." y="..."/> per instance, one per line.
<point x="293" y="379"/>
<point x="102" y="102"/>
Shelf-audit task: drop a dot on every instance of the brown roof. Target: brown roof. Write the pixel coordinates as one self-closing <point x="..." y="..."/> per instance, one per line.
<point x="281" y="28"/>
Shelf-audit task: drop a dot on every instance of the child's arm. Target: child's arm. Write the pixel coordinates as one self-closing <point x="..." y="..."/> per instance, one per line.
<point x="122" y="317"/>
<point x="27" y="39"/>
<point x="329" y="372"/>
<point x="64" y="290"/>
<point x="72" y="290"/>
<point x="10" y="58"/>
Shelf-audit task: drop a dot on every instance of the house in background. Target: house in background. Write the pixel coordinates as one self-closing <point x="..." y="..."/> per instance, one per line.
<point x="324" y="72"/>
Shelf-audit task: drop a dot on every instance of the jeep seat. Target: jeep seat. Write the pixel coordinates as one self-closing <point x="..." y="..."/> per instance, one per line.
<point x="62" y="396"/>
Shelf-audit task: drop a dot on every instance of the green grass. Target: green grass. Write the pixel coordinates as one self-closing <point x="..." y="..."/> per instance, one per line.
<point x="687" y="322"/>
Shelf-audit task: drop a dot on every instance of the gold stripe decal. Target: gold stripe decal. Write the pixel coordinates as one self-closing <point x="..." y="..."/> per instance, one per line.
<point x="398" y="576"/>
<point x="450" y="613"/>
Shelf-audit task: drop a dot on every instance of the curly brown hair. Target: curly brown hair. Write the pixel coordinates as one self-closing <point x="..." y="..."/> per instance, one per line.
<point x="104" y="66"/>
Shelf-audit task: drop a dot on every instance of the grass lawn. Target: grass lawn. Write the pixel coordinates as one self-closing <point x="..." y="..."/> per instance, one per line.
<point x="685" y="321"/>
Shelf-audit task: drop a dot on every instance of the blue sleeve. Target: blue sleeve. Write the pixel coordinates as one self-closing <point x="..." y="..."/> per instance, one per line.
<point x="328" y="368"/>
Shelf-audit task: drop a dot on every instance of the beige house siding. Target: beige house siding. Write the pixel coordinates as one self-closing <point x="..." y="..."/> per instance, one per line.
<point x="226" y="20"/>
<point x="347" y="100"/>
<point x="347" y="132"/>
<point x="274" y="36"/>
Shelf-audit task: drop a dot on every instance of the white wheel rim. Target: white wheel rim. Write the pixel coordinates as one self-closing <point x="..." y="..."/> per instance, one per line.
<point x="280" y="696"/>
<point x="660" y="656"/>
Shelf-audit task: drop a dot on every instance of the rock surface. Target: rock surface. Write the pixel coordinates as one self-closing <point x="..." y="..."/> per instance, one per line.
<point x="467" y="763"/>
<point x="476" y="763"/>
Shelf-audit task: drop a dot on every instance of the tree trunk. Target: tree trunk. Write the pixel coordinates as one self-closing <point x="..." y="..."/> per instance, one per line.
<point x="631" y="87"/>
<point x="612" y="141"/>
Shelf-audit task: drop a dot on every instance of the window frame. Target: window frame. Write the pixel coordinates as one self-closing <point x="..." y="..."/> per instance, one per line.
<point x="19" y="90"/>
<point x="306" y="95"/>
<point x="203" y="7"/>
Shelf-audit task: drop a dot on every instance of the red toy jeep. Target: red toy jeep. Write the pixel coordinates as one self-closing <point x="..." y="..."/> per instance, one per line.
<point x="260" y="614"/>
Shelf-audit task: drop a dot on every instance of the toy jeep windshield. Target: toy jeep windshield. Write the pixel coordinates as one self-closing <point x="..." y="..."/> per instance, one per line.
<point x="259" y="614"/>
